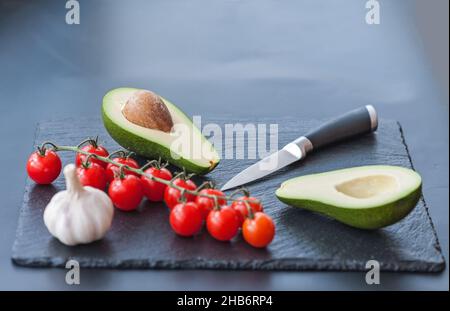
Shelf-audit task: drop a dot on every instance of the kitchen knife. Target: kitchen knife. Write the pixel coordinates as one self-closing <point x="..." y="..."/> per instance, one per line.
<point x="354" y="123"/>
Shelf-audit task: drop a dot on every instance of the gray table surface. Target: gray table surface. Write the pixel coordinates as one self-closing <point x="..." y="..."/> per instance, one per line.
<point x="310" y="59"/>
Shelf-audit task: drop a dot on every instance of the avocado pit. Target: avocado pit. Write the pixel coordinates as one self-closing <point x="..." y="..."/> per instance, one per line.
<point x="147" y="109"/>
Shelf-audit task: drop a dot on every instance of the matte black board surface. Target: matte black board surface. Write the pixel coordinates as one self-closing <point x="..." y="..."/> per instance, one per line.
<point x="304" y="240"/>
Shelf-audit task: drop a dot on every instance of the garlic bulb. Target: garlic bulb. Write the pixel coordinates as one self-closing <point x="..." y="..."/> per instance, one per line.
<point x="79" y="214"/>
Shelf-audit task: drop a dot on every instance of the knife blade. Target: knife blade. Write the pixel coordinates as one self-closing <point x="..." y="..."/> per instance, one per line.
<point x="288" y="155"/>
<point x="356" y="122"/>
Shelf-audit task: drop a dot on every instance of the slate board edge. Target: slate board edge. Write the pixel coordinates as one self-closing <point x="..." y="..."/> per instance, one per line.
<point x="294" y="264"/>
<point x="22" y="207"/>
<point x="437" y="245"/>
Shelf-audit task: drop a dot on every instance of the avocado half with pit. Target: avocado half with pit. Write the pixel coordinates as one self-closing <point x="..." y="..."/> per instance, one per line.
<point x="367" y="197"/>
<point x="153" y="127"/>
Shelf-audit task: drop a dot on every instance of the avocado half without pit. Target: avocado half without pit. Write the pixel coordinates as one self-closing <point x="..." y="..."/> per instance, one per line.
<point x="151" y="126"/>
<point x="367" y="197"/>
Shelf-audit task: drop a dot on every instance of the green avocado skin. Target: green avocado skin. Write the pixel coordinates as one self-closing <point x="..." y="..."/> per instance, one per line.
<point x="149" y="149"/>
<point x="363" y="218"/>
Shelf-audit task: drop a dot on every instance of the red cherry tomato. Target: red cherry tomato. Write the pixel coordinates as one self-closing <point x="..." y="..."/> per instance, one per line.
<point x="92" y="148"/>
<point x="153" y="190"/>
<point x="206" y="204"/>
<point x="259" y="230"/>
<point x="92" y="174"/>
<point x="44" y="169"/>
<point x="111" y="168"/>
<point x="223" y="224"/>
<point x="241" y="207"/>
<point x="126" y="192"/>
<point x="172" y="195"/>
<point x="186" y="219"/>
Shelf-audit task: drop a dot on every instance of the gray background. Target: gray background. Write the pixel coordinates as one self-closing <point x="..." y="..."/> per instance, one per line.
<point x="310" y="59"/>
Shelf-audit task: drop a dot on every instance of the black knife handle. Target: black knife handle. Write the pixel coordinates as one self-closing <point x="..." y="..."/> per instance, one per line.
<point x="356" y="122"/>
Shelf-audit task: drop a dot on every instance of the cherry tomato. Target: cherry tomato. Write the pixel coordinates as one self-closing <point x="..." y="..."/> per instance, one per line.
<point x="186" y="219"/>
<point x="92" y="174"/>
<point x="44" y="168"/>
<point x="241" y="207"/>
<point x="206" y="204"/>
<point x="223" y="224"/>
<point x="172" y="195"/>
<point x="153" y="190"/>
<point x="92" y="148"/>
<point x="259" y="230"/>
<point x="126" y="192"/>
<point x="111" y="168"/>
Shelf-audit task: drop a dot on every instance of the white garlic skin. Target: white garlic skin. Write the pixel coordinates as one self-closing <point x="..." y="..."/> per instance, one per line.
<point x="78" y="215"/>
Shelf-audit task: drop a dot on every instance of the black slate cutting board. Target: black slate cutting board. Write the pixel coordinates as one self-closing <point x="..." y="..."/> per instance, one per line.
<point x="304" y="240"/>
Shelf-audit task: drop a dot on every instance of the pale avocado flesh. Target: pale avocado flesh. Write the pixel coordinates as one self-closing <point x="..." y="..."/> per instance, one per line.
<point x="152" y="143"/>
<point x="366" y="197"/>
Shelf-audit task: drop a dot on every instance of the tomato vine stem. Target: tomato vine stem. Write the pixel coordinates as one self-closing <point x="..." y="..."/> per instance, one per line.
<point x="141" y="172"/>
